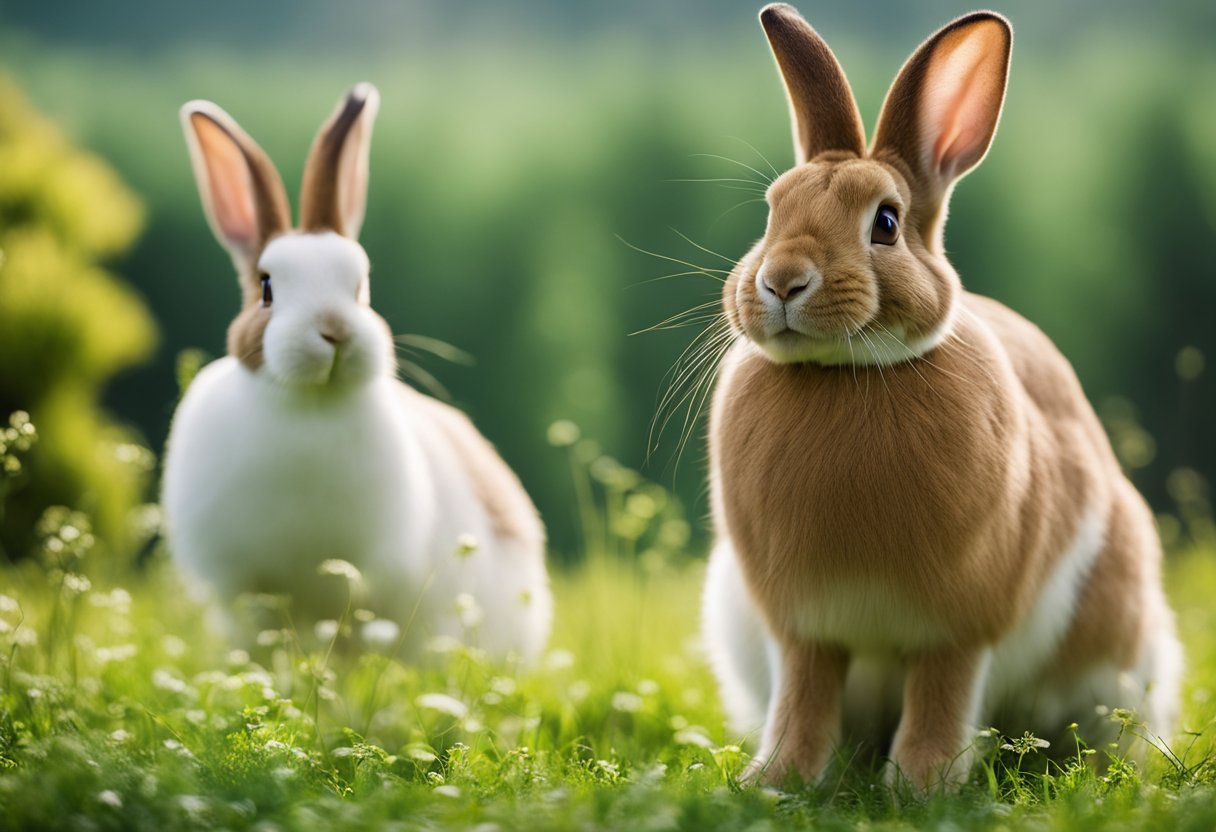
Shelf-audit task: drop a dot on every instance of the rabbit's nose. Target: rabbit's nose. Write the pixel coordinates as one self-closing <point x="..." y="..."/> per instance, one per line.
<point x="333" y="328"/>
<point x="786" y="277"/>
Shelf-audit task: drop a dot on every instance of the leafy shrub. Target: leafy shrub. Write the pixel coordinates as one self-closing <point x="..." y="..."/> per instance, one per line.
<point x="66" y="325"/>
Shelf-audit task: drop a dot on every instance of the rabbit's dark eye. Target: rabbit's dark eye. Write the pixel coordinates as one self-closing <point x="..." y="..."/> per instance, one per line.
<point x="267" y="295"/>
<point x="886" y="227"/>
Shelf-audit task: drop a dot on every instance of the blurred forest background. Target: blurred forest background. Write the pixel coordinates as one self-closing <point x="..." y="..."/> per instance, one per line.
<point x="524" y="152"/>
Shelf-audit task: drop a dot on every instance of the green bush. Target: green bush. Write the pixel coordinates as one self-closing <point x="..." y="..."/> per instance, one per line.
<point x="66" y="326"/>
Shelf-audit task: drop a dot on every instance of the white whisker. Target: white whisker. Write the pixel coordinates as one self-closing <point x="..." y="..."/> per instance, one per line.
<point x="759" y="173"/>
<point x="754" y="149"/>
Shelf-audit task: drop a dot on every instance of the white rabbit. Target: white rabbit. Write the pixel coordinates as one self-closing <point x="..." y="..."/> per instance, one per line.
<point x="301" y="446"/>
<point x="922" y="528"/>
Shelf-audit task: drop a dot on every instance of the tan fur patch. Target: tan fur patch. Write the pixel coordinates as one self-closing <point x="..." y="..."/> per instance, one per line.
<point x="496" y="485"/>
<point x="892" y="478"/>
<point x="334" y="185"/>
<point x="819" y="671"/>
<point x="245" y="335"/>
<point x="824" y="113"/>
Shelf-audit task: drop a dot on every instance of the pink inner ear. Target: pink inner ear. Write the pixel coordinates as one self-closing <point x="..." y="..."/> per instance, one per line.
<point x="962" y="99"/>
<point x="230" y="186"/>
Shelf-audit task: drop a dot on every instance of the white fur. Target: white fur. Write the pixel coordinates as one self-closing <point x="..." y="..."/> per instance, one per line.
<point x="867" y="619"/>
<point x="322" y="454"/>
<point x="314" y="276"/>
<point x="1034" y="641"/>
<point x="737" y="643"/>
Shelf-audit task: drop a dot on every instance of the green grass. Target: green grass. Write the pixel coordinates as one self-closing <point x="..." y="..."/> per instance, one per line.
<point x="119" y="710"/>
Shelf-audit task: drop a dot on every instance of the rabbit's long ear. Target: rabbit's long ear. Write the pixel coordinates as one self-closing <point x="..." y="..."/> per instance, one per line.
<point x="822" y="106"/>
<point x="334" y="194"/>
<point x="242" y="193"/>
<point x="941" y="113"/>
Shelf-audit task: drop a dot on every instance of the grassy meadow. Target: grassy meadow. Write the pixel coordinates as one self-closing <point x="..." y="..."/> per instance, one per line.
<point x="556" y="188"/>
<point x="123" y="707"/>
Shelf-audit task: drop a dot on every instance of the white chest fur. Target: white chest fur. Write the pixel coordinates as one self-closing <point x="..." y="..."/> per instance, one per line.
<point x="261" y="483"/>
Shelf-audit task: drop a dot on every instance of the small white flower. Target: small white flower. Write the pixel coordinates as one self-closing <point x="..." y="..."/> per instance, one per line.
<point x="8" y="605"/>
<point x="447" y="790"/>
<point x="692" y="736"/>
<point x="626" y="702"/>
<point x="165" y="680"/>
<point x="562" y="433"/>
<point x="117" y="599"/>
<point x="193" y="805"/>
<point x="341" y="569"/>
<point x="110" y="798"/>
<point x="442" y="703"/>
<point x="559" y="660"/>
<point x="443" y="644"/>
<point x="466" y="544"/>
<point x="503" y="685"/>
<point x="648" y="687"/>
<point x="421" y="752"/>
<point x="121" y="735"/>
<point x="470" y="612"/>
<point x="176" y="747"/>
<point x="326" y="629"/>
<point x="381" y="633"/>
<point x="173" y="646"/>
<point x="117" y="653"/>
<point x="76" y="584"/>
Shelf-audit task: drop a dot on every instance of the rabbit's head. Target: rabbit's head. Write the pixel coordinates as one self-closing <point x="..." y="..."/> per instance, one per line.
<point x="306" y="319"/>
<point x="851" y="268"/>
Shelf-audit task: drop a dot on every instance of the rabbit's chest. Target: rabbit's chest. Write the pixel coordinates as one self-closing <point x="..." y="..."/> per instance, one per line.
<point x="854" y="501"/>
<point x="257" y="503"/>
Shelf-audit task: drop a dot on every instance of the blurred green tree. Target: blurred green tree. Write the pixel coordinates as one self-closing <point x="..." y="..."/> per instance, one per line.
<point x="66" y="325"/>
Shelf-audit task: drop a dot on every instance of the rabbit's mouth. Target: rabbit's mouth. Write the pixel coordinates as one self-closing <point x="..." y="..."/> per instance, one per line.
<point x="870" y="345"/>
<point x="329" y="367"/>
<point x="792" y="346"/>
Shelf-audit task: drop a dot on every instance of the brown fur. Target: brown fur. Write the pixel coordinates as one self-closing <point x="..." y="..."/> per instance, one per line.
<point x="336" y="162"/>
<point x="1111" y="617"/>
<point x="948" y="485"/>
<point x="245" y="334"/>
<point x="822" y="108"/>
<point x="936" y="701"/>
<point x="225" y="157"/>
<point x="807" y="742"/>
<point x="496" y="485"/>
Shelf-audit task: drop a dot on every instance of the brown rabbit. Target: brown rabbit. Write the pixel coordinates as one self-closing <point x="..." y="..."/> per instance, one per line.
<point x="921" y="525"/>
